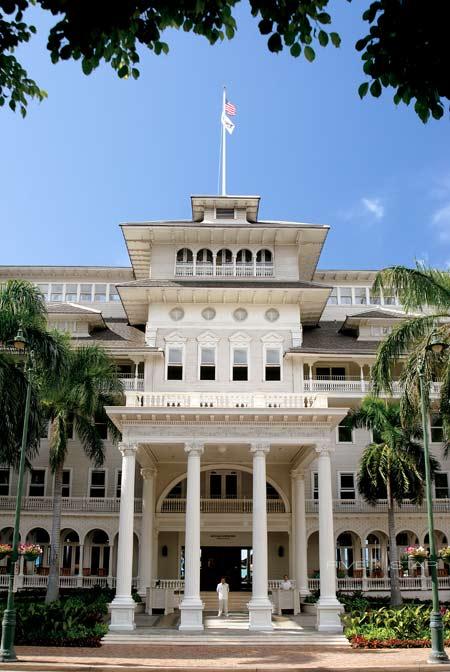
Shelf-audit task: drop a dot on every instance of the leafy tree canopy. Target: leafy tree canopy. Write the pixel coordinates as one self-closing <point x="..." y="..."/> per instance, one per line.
<point x="405" y="48"/>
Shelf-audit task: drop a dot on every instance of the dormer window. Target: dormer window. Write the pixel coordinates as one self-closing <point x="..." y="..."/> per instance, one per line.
<point x="224" y="213"/>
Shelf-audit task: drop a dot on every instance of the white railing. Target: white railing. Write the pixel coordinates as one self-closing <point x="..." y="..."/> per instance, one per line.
<point x="274" y="584"/>
<point x="352" y="384"/>
<point x="369" y="584"/>
<point x="75" y="504"/>
<point x="172" y="584"/>
<point x="240" y="269"/>
<point x="219" y="400"/>
<point x="131" y="382"/>
<point x="176" y="505"/>
<point x="360" y="506"/>
<point x="22" y="581"/>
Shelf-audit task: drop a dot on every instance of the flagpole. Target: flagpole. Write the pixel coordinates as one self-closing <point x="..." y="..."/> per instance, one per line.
<point x="224" y="146"/>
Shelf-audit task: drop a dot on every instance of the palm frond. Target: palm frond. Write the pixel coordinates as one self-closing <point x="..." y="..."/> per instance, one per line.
<point x="58" y="440"/>
<point x="90" y="439"/>
<point x="417" y="287"/>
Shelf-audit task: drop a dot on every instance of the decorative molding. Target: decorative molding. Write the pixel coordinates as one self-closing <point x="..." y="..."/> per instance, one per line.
<point x="260" y="447"/>
<point x="194" y="447"/>
<point x="128" y="449"/>
<point x="272" y="337"/>
<point x="148" y="472"/>
<point x="175" y="337"/>
<point x="239" y="337"/>
<point x="208" y="337"/>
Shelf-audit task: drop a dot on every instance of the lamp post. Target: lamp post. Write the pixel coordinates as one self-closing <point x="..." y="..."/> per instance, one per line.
<point x="7" y="652"/>
<point x="438" y="654"/>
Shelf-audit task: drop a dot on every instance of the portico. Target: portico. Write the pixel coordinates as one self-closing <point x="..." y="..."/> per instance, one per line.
<point x="262" y="441"/>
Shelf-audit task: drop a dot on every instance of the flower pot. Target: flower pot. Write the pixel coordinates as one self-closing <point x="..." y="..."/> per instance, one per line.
<point x="417" y="559"/>
<point x="30" y="557"/>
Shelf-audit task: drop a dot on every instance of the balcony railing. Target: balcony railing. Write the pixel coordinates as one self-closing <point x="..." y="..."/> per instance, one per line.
<point x="218" y="400"/>
<point x="351" y="385"/>
<point x="240" y="269"/>
<point x="383" y="584"/>
<point x="360" y="506"/>
<point x="132" y="382"/>
<point x="69" y="504"/>
<point x="178" y="505"/>
<point x="77" y="581"/>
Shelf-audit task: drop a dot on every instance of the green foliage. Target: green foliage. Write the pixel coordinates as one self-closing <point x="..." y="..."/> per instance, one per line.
<point x="74" y="621"/>
<point x="405" y="48"/>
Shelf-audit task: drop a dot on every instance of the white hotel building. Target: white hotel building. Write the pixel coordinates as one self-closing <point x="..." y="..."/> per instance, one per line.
<point x="240" y="360"/>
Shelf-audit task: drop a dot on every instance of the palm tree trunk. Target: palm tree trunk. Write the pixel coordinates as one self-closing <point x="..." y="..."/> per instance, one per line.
<point x="396" y="595"/>
<point x="55" y="539"/>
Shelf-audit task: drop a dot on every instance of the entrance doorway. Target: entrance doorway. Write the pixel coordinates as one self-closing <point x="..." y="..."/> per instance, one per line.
<point x="233" y="562"/>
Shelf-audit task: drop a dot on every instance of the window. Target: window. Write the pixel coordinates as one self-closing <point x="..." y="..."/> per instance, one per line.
<point x="175" y="363"/>
<point x="43" y="288"/>
<point x="71" y="293"/>
<point x="244" y="257"/>
<point x="56" y="293"/>
<point x="436" y="429"/>
<point x="100" y="293"/>
<point x="113" y="293"/>
<point x="375" y="298"/>
<point x="224" y="213"/>
<point x="85" y="292"/>
<point x="315" y="484"/>
<point x="184" y="256"/>
<point x="346" y="295"/>
<point x="97" y="486"/>
<point x="264" y="257"/>
<point x="389" y="298"/>
<point x="344" y="432"/>
<point x="223" y="485"/>
<point x="330" y="373"/>
<point x="441" y="485"/>
<point x="333" y="298"/>
<point x="347" y="486"/>
<point x="272" y="369"/>
<point x="360" y="295"/>
<point x="207" y="363"/>
<point x="37" y="483"/>
<point x="66" y="482"/>
<point x="240" y="364"/>
<point x="101" y="426"/>
<point x="380" y="331"/>
<point x="118" y="483"/>
<point x="4" y="481"/>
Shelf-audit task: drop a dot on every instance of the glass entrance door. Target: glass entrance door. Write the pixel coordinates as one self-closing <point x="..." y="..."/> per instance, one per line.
<point x="233" y="562"/>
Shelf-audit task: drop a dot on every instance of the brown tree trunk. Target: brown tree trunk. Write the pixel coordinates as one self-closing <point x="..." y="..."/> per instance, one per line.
<point x="396" y="595"/>
<point x="55" y="539"/>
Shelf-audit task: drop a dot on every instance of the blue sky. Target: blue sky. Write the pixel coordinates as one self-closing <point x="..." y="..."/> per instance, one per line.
<point x="101" y="151"/>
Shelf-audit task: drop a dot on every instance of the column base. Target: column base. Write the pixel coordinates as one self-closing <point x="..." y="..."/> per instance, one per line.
<point x="122" y="614"/>
<point x="191" y="611"/>
<point x="260" y="614"/>
<point x="328" y="615"/>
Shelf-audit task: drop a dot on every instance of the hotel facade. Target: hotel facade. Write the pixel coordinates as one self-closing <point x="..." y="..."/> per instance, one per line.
<point x="240" y="360"/>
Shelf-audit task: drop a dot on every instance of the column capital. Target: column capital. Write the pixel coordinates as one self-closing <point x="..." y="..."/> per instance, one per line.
<point x="148" y="472"/>
<point x="260" y="448"/>
<point x="193" y="447"/>
<point x="298" y="474"/>
<point x="324" y="448"/>
<point x="128" y="449"/>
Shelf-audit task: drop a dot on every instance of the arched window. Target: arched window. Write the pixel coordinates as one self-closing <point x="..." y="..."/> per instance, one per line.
<point x="184" y="256"/>
<point x="264" y="257"/>
<point x="224" y="257"/>
<point x="204" y="262"/>
<point x="244" y="257"/>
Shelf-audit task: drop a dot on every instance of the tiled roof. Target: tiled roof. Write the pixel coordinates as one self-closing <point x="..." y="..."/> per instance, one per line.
<point x="379" y="315"/>
<point x="117" y="334"/>
<point x="326" y="338"/>
<point x="67" y="308"/>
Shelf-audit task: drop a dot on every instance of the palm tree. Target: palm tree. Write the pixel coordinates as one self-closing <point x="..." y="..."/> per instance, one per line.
<point x="78" y="398"/>
<point x="22" y="306"/>
<point x="418" y="289"/>
<point x="392" y="467"/>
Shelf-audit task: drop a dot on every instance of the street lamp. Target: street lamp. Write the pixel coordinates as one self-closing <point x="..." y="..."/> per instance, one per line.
<point x="7" y="652"/>
<point x="438" y="654"/>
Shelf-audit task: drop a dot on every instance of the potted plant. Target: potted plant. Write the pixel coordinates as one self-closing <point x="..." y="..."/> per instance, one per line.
<point x="404" y="559"/>
<point x="30" y="551"/>
<point x="444" y="554"/>
<point x="5" y="550"/>
<point x="417" y="553"/>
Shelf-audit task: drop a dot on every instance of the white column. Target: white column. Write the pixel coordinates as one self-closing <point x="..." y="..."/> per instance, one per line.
<point x="328" y="606"/>
<point x="146" y="545"/>
<point x="260" y="607"/>
<point x="301" y="555"/>
<point x="122" y="607"/>
<point x="191" y="607"/>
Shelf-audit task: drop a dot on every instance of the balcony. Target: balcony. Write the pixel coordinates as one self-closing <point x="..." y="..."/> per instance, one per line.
<point x="178" y="505"/>
<point x="131" y="382"/>
<point x="239" y="270"/>
<point x="69" y="504"/>
<point x="351" y="385"/>
<point x="218" y="400"/>
<point x="360" y="506"/>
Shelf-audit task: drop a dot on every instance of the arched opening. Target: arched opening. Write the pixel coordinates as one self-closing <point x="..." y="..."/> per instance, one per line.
<point x="185" y="256"/>
<point x="244" y="262"/>
<point x="440" y="541"/>
<point x="224" y="262"/>
<point x="204" y="263"/>
<point x="375" y="554"/>
<point x="41" y="537"/>
<point x="6" y="537"/>
<point x="70" y="553"/>
<point x="264" y="257"/>
<point x="404" y="539"/>
<point x="96" y="553"/>
<point x="348" y="555"/>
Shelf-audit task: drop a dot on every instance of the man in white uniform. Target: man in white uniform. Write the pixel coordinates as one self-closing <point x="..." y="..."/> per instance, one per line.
<point x="223" y="590"/>
<point x="286" y="583"/>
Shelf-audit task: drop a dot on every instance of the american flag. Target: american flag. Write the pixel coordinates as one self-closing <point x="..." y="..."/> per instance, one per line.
<point x="230" y="109"/>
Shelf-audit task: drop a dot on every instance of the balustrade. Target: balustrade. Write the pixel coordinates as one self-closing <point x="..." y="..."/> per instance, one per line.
<point x="360" y="506"/>
<point x="224" y="400"/>
<point x="239" y="269"/>
<point x="69" y="504"/>
<point x="178" y="505"/>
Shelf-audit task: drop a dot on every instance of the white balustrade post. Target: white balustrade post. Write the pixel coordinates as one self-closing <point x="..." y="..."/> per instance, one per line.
<point x="146" y="545"/>
<point x="260" y="607"/>
<point x="123" y="606"/>
<point x="301" y="555"/>
<point x="328" y="606"/>
<point x="191" y="608"/>
<point x="80" y="566"/>
<point x="363" y="384"/>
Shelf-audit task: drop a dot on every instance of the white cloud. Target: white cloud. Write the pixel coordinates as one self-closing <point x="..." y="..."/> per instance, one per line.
<point x="441" y="223"/>
<point x="374" y="206"/>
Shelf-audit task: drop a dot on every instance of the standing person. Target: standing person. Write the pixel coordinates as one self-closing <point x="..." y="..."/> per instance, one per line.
<point x="223" y="590"/>
<point x="286" y="584"/>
